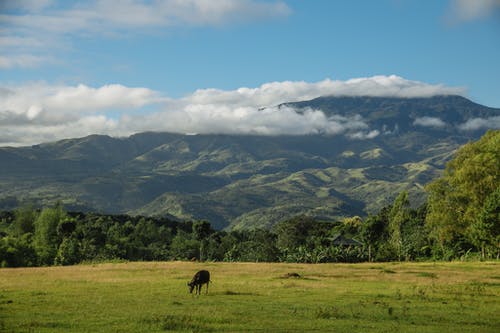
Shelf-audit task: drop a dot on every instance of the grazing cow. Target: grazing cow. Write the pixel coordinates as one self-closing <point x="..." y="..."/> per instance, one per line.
<point x="198" y="280"/>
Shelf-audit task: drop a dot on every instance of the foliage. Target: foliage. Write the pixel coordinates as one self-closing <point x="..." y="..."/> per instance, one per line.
<point x="374" y="231"/>
<point x="17" y="251"/>
<point x="352" y="225"/>
<point x="398" y="215"/>
<point x="294" y="232"/>
<point x="46" y="238"/>
<point x="459" y="201"/>
<point x="68" y="252"/>
<point x="24" y="221"/>
<point x="184" y="247"/>
<point x="460" y="221"/>
<point x="485" y="232"/>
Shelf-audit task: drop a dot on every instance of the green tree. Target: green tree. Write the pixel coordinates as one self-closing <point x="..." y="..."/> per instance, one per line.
<point x="215" y="249"/>
<point x="184" y="246"/>
<point x="66" y="226"/>
<point x="68" y="252"/>
<point x="17" y="251"/>
<point x="352" y="225"/>
<point x="456" y="200"/>
<point x="201" y="231"/>
<point x="258" y="245"/>
<point x="398" y="215"/>
<point x="374" y="231"/>
<point x="46" y="238"/>
<point x="24" y="220"/>
<point x="414" y="235"/>
<point x="485" y="231"/>
<point x="294" y="232"/>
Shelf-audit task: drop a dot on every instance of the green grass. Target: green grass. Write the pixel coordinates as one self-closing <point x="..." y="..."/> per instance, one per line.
<point x="246" y="297"/>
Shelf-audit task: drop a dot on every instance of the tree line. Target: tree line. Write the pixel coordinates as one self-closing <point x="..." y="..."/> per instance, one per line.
<point x="460" y="219"/>
<point x="52" y="236"/>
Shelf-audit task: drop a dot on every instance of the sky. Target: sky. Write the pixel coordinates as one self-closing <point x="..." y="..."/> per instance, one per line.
<point x="118" y="67"/>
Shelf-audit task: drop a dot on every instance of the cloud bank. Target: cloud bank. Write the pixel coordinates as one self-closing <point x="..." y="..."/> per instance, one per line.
<point x="40" y="112"/>
<point x="475" y="124"/>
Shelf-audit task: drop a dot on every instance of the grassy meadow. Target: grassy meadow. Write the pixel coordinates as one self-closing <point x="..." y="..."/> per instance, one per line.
<point x="246" y="297"/>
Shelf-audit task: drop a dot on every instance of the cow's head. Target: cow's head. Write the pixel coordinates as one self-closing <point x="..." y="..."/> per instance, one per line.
<point x="191" y="287"/>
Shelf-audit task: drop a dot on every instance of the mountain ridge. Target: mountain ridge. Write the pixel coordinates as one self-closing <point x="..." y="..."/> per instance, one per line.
<point x="242" y="181"/>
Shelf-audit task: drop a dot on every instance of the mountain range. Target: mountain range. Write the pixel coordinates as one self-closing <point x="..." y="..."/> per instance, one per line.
<point x="378" y="147"/>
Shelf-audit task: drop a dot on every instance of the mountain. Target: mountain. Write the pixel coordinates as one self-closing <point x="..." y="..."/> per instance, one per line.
<point x="382" y="146"/>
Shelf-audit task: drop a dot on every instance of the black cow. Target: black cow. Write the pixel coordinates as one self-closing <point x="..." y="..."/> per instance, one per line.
<point x="198" y="280"/>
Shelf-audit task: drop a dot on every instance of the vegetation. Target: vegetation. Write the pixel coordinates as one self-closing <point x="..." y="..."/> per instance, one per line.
<point x="249" y="297"/>
<point x="460" y="220"/>
<point x="61" y="238"/>
<point x="464" y="204"/>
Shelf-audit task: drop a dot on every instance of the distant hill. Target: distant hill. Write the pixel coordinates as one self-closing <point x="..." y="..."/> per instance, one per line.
<point x="247" y="181"/>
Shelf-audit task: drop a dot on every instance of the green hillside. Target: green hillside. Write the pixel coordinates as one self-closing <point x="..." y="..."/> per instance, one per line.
<point x="247" y="181"/>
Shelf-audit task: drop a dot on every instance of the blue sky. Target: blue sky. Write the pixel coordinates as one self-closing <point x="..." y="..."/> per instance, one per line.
<point x="76" y="67"/>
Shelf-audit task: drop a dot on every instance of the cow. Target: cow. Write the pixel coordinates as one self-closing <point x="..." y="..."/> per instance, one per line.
<point x="199" y="279"/>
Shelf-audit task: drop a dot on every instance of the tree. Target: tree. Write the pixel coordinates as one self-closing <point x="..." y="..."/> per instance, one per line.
<point x="68" y="252"/>
<point x="456" y="200"/>
<point x="414" y="235"/>
<point x="183" y="246"/>
<point x="352" y="225"/>
<point x="201" y="231"/>
<point x="46" y="239"/>
<point x="66" y="226"/>
<point x="373" y="232"/>
<point x="257" y="245"/>
<point x="17" y="251"/>
<point x="398" y="215"/>
<point x="485" y="231"/>
<point x="24" y="220"/>
<point x="294" y="232"/>
<point x="217" y="245"/>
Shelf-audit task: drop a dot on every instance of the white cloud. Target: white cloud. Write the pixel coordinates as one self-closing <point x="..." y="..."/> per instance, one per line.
<point x="106" y="97"/>
<point x="31" y="28"/>
<point x="481" y="123"/>
<point x="226" y="119"/>
<point x="22" y="60"/>
<point x="39" y="112"/>
<point x="290" y="91"/>
<point x="429" y="122"/>
<point x="33" y="133"/>
<point x="469" y="10"/>
<point x="46" y="104"/>
<point x="364" y="135"/>
<point x="16" y="41"/>
<point x="109" y="15"/>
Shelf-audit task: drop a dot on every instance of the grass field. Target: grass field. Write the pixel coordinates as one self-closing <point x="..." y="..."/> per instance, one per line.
<point x="248" y="297"/>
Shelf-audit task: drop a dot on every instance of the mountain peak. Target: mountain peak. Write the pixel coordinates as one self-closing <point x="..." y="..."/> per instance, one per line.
<point x="444" y="112"/>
